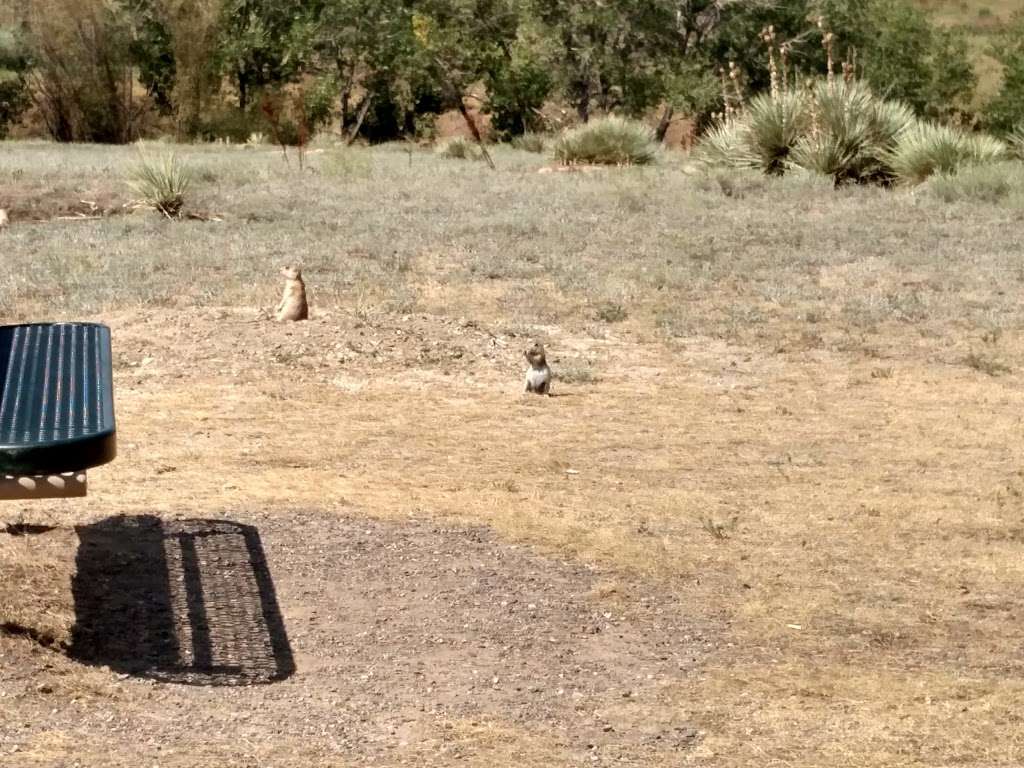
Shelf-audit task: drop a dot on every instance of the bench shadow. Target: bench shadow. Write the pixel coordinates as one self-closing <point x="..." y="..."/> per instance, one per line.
<point x="181" y="601"/>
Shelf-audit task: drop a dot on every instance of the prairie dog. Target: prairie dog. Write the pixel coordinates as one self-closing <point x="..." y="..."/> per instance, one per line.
<point x="538" y="377"/>
<point x="293" y="304"/>
<point x="4" y="219"/>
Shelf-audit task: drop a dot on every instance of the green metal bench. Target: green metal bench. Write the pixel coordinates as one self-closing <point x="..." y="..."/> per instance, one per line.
<point x="56" y="407"/>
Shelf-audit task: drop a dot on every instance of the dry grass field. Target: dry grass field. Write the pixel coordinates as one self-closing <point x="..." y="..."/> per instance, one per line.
<point x="774" y="515"/>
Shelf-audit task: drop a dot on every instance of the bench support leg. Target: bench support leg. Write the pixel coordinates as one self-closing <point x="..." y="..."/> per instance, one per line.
<point x="64" y="486"/>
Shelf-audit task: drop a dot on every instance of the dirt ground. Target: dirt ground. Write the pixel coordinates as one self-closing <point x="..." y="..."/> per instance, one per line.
<point x="402" y="640"/>
<point x="446" y="596"/>
<point x="772" y="516"/>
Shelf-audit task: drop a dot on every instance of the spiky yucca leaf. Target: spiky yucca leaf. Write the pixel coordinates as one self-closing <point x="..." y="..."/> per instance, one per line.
<point x="608" y="141"/>
<point x="984" y="149"/>
<point x="161" y="182"/>
<point x="774" y="126"/>
<point x="927" y="149"/>
<point x="829" y="153"/>
<point x="728" y="143"/>
<point x="1015" y="142"/>
<point x="852" y="131"/>
<point x="889" y="119"/>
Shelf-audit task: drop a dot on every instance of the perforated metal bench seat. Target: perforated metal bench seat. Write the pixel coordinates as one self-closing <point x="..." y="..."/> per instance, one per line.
<point x="56" y="398"/>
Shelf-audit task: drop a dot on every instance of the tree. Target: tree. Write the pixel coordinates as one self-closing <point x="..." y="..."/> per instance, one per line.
<point x="262" y="42"/>
<point x="612" y="55"/>
<point x="365" y="45"/>
<point x="903" y="55"/>
<point x="81" y="71"/>
<point x="193" y="30"/>
<point x="1006" y="111"/>
<point x="151" y="51"/>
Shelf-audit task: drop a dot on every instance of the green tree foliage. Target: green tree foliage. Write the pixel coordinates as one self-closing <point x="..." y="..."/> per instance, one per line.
<point x="262" y="42"/>
<point x="902" y="54"/>
<point x="386" y="68"/>
<point x="1006" y="111"/>
<point x="367" y="47"/>
<point x="192" y="27"/>
<point x="614" y="55"/>
<point x="517" y="90"/>
<point x="151" y="51"/>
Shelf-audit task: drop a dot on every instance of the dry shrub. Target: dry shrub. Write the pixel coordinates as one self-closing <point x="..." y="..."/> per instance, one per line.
<point x="81" y="81"/>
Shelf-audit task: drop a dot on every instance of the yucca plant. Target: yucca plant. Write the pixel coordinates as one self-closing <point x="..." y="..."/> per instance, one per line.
<point x="727" y="143"/>
<point x="608" y="141"/>
<point x="162" y="183"/>
<point x="1015" y="142"/>
<point x="838" y="154"/>
<point x="851" y="131"/>
<point x="983" y="149"/>
<point x="926" y="149"/>
<point x="774" y="125"/>
<point x="841" y="129"/>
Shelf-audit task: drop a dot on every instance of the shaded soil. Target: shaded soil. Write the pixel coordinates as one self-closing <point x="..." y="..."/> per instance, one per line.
<point x="400" y="632"/>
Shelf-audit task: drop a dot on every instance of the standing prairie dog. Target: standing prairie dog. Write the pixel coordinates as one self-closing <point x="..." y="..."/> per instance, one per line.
<point x="4" y="219"/>
<point x="538" y="377"/>
<point x="293" y="304"/>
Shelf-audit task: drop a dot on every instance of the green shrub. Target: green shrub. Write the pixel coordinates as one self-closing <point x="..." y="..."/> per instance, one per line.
<point x="460" y="148"/>
<point x="14" y="93"/>
<point x="229" y="124"/>
<point x="608" y="141"/>
<point x="14" y="99"/>
<point x="981" y="183"/>
<point x="530" y="142"/>
<point x="162" y="183"/>
<point x="1005" y="111"/>
<point x="516" y="93"/>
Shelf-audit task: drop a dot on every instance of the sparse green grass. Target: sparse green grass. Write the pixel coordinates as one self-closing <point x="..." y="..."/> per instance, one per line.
<point x="736" y="257"/>
<point x="995" y="183"/>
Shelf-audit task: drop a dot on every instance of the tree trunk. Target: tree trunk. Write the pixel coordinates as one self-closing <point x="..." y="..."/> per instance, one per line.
<point x="664" y="123"/>
<point x="359" y="120"/>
